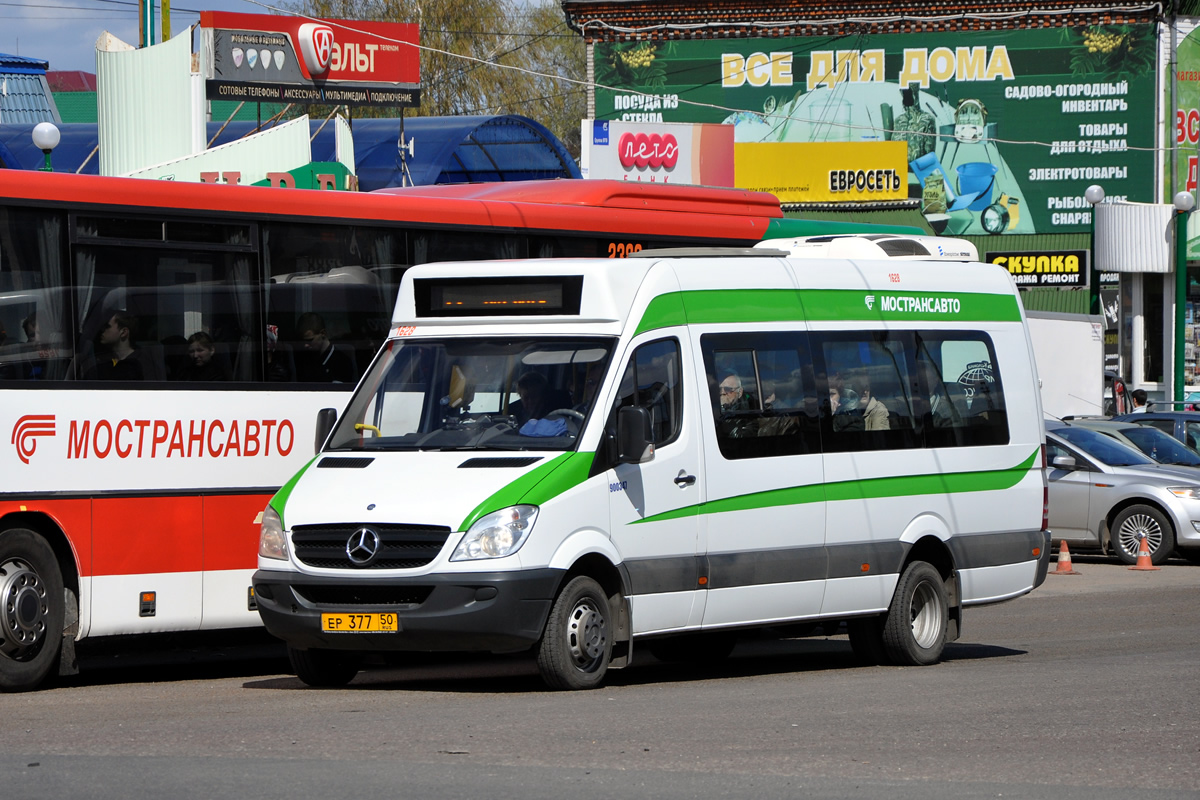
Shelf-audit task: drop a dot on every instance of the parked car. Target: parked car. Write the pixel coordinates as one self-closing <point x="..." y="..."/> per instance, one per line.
<point x="1105" y="495"/>
<point x="1153" y="442"/>
<point x="1183" y="425"/>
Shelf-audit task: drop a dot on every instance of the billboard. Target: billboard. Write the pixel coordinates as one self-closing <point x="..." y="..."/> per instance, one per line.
<point x="1004" y="130"/>
<point x="657" y="152"/>
<point x="823" y="172"/>
<point x="266" y="58"/>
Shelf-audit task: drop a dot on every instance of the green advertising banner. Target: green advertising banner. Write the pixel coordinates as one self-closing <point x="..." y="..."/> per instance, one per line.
<point x="1005" y="129"/>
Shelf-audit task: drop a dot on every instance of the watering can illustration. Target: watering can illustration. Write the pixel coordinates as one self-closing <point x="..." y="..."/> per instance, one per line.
<point x="975" y="180"/>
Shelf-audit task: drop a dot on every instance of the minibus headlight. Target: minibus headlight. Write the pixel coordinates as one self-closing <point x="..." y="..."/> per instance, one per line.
<point x="1186" y="492"/>
<point x="271" y="541"/>
<point x="496" y="535"/>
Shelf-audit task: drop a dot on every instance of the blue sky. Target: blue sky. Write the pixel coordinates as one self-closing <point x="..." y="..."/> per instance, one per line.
<point x="64" y="32"/>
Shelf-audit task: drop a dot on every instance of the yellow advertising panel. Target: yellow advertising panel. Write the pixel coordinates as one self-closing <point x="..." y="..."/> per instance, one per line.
<point x="823" y="172"/>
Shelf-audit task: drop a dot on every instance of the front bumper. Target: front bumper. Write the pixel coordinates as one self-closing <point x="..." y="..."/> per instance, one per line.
<point x="464" y="612"/>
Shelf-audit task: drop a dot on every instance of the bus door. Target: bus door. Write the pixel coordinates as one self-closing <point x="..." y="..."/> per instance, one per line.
<point x="654" y="506"/>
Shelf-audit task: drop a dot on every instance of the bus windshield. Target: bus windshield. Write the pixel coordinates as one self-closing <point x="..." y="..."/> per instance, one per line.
<point x="519" y="393"/>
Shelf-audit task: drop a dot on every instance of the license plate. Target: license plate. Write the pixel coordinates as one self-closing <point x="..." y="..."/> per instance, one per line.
<point x="360" y="623"/>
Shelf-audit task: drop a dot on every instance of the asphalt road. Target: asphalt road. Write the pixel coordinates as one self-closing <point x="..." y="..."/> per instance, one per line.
<point x="1087" y="688"/>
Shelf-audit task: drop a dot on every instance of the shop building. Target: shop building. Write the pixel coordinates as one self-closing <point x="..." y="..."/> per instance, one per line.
<point x="1009" y="112"/>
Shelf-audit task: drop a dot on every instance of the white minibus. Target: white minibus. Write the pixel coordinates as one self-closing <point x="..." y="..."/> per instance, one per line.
<point x="577" y="458"/>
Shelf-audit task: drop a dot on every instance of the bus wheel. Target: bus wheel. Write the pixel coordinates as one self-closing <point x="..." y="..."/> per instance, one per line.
<point x="31" y="610"/>
<point x="576" y="645"/>
<point x="915" y="631"/>
<point x="1135" y="521"/>
<point x="323" y="667"/>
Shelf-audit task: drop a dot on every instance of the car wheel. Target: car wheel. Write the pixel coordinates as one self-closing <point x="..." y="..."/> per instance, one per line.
<point x="32" y="608"/>
<point x="324" y="668"/>
<point x="914" y="633"/>
<point x="576" y="646"/>
<point x="1133" y="522"/>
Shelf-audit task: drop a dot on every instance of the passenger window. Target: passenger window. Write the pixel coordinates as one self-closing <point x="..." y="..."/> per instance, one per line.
<point x="865" y="383"/>
<point x="652" y="380"/>
<point x="763" y="394"/>
<point x="958" y="395"/>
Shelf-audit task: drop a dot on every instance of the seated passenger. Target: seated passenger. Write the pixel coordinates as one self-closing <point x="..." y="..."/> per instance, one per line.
<point x="201" y="364"/>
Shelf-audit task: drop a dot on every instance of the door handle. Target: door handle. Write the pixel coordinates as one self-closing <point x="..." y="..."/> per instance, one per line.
<point x="685" y="480"/>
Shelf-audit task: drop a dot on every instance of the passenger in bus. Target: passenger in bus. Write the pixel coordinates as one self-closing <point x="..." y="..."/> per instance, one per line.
<point x="874" y="413"/>
<point x="119" y="360"/>
<point x="733" y="396"/>
<point x="278" y="369"/>
<point x="320" y="361"/>
<point x="534" y="390"/>
<point x="35" y="370"/>
<point x="202" y="364"/>
<point x="942" y="408"/>
<point x="844" y="410"/>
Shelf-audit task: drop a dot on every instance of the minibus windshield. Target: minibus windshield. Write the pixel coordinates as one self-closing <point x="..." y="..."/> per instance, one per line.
<point x="495" y="393"/>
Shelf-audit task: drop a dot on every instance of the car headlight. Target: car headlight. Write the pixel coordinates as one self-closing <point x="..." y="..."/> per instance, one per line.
<point x="271" y="541"/>
<point x="496" y="535"/>
<point x="1186" y="492"/>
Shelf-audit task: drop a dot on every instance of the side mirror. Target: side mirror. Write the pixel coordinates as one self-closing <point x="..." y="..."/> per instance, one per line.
<point x="1064" y="462"/>
<point x="326" y="418"/>
<point x="633" y="436"/>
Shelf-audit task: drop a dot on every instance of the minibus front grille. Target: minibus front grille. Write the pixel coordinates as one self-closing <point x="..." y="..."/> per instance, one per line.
<point x="400" y="546"/>
<point x="353" y="596"/>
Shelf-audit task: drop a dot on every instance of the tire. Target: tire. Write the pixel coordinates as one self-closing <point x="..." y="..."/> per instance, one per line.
<point x="576" y="646"/>
<point x="1160" y="536"/>
<point x="914" y="633"/>
<point x="31" y="610"/>
<point x="866" y="640"/>
<point x="324" y="668"/>
<point x="693" y="648"/>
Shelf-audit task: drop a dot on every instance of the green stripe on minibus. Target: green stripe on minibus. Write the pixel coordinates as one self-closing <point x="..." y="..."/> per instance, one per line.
<point x="715" y="306"/>
<point x="279" y="501"/>
<point x="897" y="486"/>
<point x="543" y="482"/>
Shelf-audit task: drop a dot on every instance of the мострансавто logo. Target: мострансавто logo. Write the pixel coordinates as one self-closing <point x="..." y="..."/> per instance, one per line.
<point x="26" y="431"/>
<point x="159" y="438"/>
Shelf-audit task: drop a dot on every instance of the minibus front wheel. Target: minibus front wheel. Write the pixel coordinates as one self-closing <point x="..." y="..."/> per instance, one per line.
<point x="576" y="646"/>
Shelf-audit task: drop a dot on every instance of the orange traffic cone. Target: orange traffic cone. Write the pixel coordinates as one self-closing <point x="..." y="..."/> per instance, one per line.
<point x="1143" y="559"/>
<point x="1064" y="561"/>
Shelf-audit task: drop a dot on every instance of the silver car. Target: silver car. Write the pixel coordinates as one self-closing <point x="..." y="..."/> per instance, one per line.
<point x="1105" y="495"/>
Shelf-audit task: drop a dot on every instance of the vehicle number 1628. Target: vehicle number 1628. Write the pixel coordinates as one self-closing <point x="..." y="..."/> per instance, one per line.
<point x="359" y="623"/>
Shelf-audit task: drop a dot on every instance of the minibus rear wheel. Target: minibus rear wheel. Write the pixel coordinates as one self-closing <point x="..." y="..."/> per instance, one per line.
<point x="31" y="610"/>
<point x="576" y="646"/>
<point x="324" y="667"/>
<point x="914" y="633"/>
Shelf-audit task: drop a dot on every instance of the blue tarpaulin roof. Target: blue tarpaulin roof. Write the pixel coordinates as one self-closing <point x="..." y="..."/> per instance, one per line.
<point x="446" y="149"/>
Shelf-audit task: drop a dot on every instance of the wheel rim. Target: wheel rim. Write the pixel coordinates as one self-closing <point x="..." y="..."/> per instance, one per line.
<point x="587" y="635"/>
<point x="23" y="610"/>
<point x="1132" y="529"/>
<point x="926" y="613"/>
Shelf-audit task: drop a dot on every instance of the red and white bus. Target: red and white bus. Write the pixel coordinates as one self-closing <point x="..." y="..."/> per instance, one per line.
<point x="165" y="348"/>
